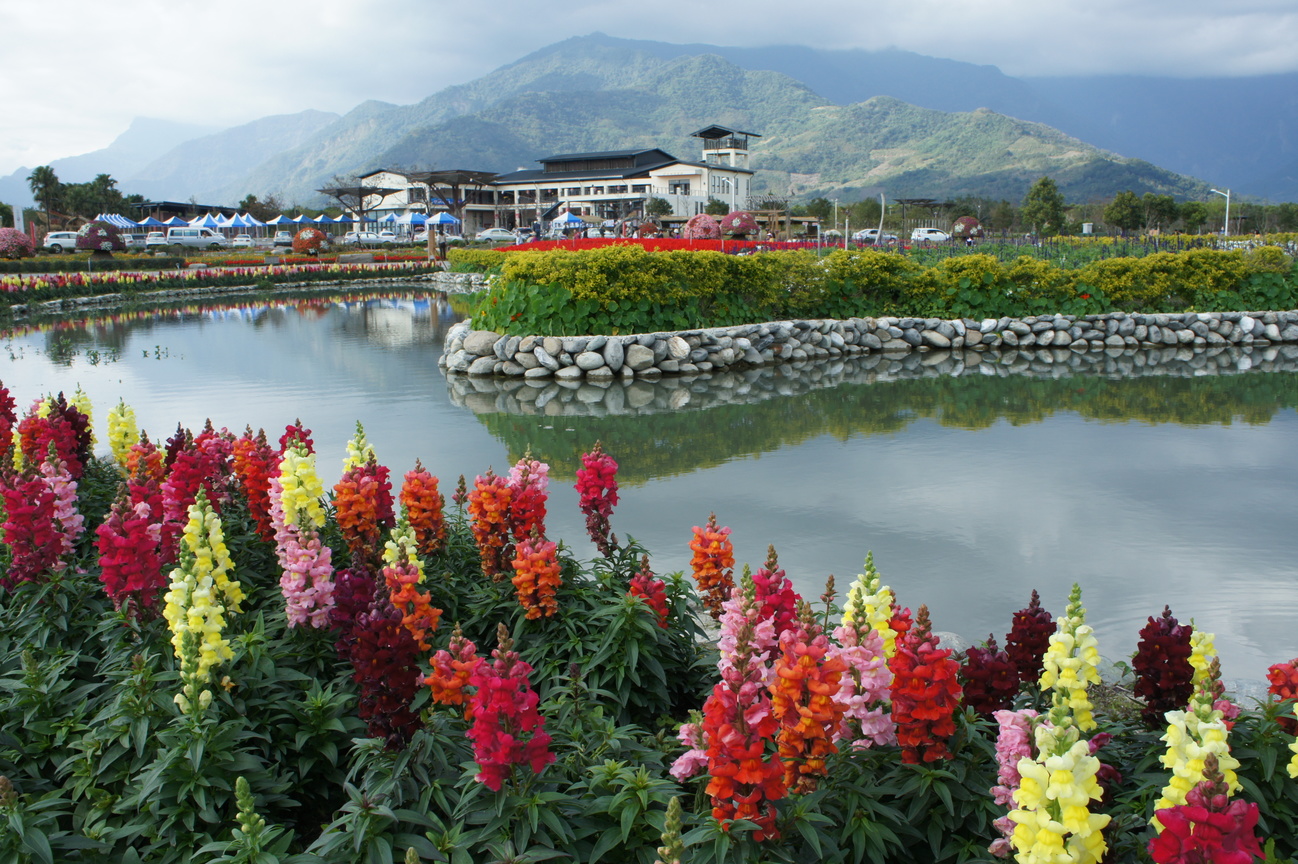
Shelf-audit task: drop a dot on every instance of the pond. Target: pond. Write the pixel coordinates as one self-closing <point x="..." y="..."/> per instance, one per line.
<point x="1150" y="478"/>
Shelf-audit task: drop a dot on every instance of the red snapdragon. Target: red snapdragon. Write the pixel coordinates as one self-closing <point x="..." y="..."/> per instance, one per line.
<point x="652" y="591"/>
<point x="597" y="486"/>
<point x="1028" y="639"/>
<point x="925" y="693"/>
<point x="1164" y="676"/>
<point x="990" y="679"/>
<point x="507" y="729"/>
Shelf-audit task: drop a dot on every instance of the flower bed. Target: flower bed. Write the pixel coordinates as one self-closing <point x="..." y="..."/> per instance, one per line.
<point x="212" y="657"/>
<point x="37" y="288"/>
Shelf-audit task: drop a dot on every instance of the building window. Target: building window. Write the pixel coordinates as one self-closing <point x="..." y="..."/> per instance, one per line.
<point x="617" y="190"/>
<point x="678" y="187"/>
<point x="643" y="187"/>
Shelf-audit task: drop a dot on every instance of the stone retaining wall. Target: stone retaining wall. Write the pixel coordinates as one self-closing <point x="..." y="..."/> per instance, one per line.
<point x="594" y="398"/>
<point x="651" y="355"/>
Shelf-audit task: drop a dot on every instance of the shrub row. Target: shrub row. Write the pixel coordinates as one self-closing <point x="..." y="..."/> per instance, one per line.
<point x="619" y="289"/>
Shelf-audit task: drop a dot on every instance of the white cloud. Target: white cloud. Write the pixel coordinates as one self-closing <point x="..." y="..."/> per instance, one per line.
<point x="74" y="81"/>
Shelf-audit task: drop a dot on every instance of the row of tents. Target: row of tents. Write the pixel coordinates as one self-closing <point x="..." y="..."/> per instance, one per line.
<point x="247" y="220"/>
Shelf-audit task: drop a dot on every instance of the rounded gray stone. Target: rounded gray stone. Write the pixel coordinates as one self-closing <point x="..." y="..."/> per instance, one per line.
<point x="613" y="354"/>
<point x="588" y="360"/>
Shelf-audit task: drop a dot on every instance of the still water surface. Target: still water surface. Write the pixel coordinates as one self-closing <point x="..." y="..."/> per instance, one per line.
<point x="1147" y="484"/>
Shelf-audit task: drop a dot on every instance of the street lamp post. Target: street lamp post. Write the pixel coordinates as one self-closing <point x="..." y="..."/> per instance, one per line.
<point x="730" y="184"/>
<point x="1225" y="230"/>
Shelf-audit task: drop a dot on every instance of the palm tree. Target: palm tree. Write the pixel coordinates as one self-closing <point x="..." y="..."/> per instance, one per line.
<point x="46" y="189"/>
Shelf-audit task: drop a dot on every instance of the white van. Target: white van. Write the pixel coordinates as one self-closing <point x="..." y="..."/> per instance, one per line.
<point x="196" y="238"/>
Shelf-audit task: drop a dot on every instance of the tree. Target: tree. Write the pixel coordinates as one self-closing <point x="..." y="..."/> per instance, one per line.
<point x="1193" y="215"/>
<point x="820" y="208"/>
<point x="6" y="215"/>
<point x="46" y="189"/>
<point x="1125" y="212"/>
<point x="656" y="208"/>
<point x="1043" y="208"/>
<point x="1001" y="217"/>
<point x="356" y="197"/>
<point x="263" y="210"/>
<point x="716" y="207"/>
<point x="1160" y="210"/>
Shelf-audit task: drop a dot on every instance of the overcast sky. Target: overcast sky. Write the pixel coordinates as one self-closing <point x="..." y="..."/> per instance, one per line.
<point x="73" y="75"/>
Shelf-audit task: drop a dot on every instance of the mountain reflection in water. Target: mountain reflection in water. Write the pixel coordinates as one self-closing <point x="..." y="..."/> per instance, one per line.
<point x="1148" y="477"/>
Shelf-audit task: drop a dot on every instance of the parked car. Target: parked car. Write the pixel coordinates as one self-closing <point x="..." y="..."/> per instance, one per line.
<point x="154" y="238"/>
<point x="60" y="241"/>
<point x="282" y="238"/>
<point x="242" y="241"/>
<point x="133" y="241"/>
<point x="872" y="235"/>
<point x="361" y="238"/>
<point x="497" y="235"/>
<point x="933" y="235"/>
<point x="387" y="236"/>
<point x="196" y="238"/>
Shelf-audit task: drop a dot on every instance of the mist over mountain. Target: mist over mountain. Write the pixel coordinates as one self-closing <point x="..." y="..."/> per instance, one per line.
<point x="838" y="123"/>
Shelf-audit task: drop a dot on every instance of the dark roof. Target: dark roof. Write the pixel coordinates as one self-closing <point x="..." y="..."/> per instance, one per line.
<point x="538" y="175"/>
<point x="721" y="132"/>
<point x="604" y="154"/>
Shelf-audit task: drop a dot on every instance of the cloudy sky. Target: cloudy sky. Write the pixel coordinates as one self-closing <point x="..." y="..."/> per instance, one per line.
<point x="74" y="75"/>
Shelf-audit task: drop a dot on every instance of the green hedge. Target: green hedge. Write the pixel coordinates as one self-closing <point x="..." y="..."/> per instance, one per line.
<point x="621" y="289"/>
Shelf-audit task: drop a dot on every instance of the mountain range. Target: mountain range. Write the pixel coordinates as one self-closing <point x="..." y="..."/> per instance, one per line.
<point x="842" y="124"/>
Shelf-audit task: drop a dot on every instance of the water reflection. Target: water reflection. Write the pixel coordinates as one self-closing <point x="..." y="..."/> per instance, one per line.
<point x="676" y="425"/>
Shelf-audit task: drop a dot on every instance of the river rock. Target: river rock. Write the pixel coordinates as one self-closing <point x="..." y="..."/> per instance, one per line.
<point x="483" y="365"/>
<point x="588" y="360"/>
<point x="545" y="358"/>
<point x="481" y="342"/>
<point x="638" y="358"/>
<point x="613" y="354"/>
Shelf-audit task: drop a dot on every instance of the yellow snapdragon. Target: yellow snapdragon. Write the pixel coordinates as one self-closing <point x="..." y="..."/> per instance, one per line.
<point x="123" y="432"/>
<point x="874" y="602"/>
<point x="1072" y="662"/>
<point x="401" y="545"/>
<point x="359" y="450"/>
<point x="1202" y="652"/>
<point x="302" y="488"/>
<point x="1052" y="820"/>
<point x="195" y="606"/>
<point x="1192" y="735"/>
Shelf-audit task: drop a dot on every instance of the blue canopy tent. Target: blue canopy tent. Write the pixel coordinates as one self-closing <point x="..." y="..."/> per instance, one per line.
<point x="116" y="220"/>
<point x="281" y="219"/>
<point x="569" y="220"/>
<point x="150" y="222"/>
<point x="204" y="221"/>
<point x="176" y="222"/>
<point x="443" y="218"/>
<point x="345" y="219"/>
<point x="324" y="219"/>
<point x="299" y="219"/>
<point x="411" y="219"/>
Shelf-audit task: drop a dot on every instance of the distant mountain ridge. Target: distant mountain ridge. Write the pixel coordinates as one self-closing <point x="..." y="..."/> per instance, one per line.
<point x="846" y="122"/>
